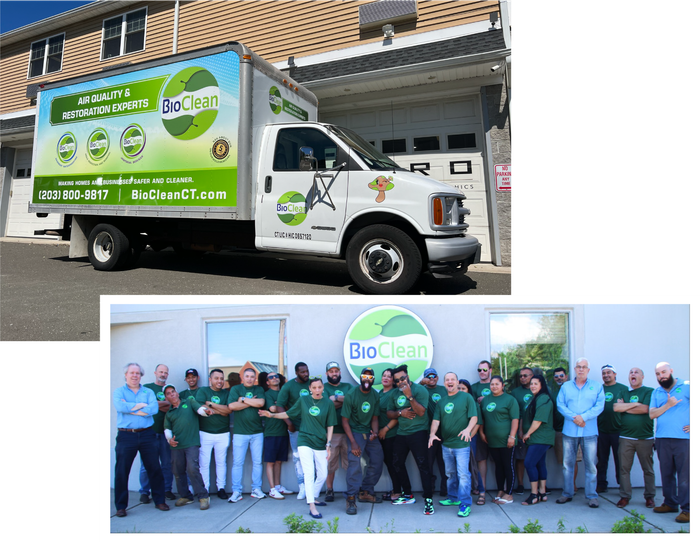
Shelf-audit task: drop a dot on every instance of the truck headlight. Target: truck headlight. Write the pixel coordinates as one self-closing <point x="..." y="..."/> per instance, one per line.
<point x="446" y="211"/>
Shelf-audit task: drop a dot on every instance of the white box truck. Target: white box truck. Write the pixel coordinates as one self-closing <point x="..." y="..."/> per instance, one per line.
<point x="217" y="149"/>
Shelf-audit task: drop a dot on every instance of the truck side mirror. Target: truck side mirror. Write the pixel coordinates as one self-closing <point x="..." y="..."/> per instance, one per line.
<point x="306" y="159"/>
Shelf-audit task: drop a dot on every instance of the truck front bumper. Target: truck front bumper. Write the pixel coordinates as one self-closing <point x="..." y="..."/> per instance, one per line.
<point x="452" y="255"/>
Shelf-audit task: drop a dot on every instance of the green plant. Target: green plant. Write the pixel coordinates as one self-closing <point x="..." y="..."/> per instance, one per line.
<point x="531" y="527"/>
<point x="242" y="530"/>
<point x="560" y="526"/>
<point x="296" y="524"/>
<point x="581" y="529"/>
<point x="333" y="525"/>
<point x="467" y="528"/>
<point x="514" y="528"/>
<point x="381" y="529"/>
<point x="630" y="524"/>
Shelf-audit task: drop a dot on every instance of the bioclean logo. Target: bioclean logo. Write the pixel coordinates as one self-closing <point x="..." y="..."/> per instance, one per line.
<point x="98" y="144"/>
<point x="133" y="141"/>
<point x="386" y="337"/>
<point x="66" y="148"/>
<point x="291" y="208"/>
<point x="275" y="100"/>
<point x="190" y="103"/>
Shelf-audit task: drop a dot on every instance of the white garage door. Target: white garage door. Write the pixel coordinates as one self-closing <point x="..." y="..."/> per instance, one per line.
<point x="20" y="222"/>
<point x="443" y="139"/>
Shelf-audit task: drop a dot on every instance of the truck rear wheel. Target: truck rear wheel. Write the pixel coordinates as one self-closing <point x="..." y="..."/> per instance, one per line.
<point x="108" y="248"/>
<point x="383" y="260"/>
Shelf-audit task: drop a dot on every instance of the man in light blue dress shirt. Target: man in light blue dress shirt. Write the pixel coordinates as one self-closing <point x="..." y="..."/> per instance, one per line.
<point x="135" y="407"/>
<point x="580" y="401"/>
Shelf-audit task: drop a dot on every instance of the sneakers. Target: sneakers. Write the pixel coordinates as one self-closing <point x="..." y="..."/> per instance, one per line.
<point x="222" y="494"/>
<point x="593" y="503"/>
<point x="330" y="496"/>
<point x="257" y="493"/>
<point x="450" y="502"/>
<point x="404" y="499"/>
<point x="274" y="494"/>
<point x="464" y="510"/>
<point x="283" y="490"/>
<point x="143" y="499"/>
<point x="302" y="492"/>
<point x="562" y="500"/>
<point x="182" y="501"/>
<point x="519" y="490"/>
<point x="204" y="504"/>
<point x="235" y="497"/>
<point x="350" y="506"/>
<point x="429" y="510"/>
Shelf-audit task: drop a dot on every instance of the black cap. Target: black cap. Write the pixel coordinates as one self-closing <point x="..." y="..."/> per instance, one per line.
<point x="189" y="372"/>
<point x="367" y="371"/>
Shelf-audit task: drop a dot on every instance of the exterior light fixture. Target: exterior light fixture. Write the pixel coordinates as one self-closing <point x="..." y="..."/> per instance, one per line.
<point x="388" y="30"/>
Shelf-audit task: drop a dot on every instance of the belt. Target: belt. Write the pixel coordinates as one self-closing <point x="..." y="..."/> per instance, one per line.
<point x="132" y="430"/>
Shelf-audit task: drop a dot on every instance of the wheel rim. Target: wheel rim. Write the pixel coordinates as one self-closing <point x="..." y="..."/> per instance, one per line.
<point x="103" y="247"/>
<point x="381" y="261"/>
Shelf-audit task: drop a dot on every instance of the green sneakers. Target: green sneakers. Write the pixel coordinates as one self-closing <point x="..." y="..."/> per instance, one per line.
<point x="450" y="502"/>
<point x="464" y="511"/>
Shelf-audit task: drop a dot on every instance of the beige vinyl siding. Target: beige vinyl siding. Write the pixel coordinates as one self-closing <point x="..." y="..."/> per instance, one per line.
<point x="275" y="29"/>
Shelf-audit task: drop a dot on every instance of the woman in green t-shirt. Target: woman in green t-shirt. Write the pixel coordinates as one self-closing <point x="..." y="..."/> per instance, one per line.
<point x="387" y="431"/>
<point x="318" y="417"/>
<point x="538" y="429"/>
<point x="500" y="413"/>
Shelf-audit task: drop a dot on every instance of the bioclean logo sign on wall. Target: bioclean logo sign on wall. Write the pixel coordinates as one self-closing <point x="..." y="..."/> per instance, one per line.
<point x="386" y="337"/>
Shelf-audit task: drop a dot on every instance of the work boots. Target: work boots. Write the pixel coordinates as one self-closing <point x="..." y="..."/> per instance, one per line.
<point x="366" y="496"/>
<point x="350" y="506"/>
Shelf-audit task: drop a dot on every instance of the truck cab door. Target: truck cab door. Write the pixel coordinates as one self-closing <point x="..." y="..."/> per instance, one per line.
<point x="296" y="211"/>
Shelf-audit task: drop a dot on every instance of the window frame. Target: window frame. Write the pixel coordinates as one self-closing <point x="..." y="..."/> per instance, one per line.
<point x="122" y="43"/>
<point x="46" y="56"/>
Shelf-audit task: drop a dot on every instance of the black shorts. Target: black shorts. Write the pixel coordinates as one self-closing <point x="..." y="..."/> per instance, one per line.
<point x="275" y="449"/>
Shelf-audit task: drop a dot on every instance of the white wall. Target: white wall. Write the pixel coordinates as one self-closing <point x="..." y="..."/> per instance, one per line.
<point x="626" y="336"/>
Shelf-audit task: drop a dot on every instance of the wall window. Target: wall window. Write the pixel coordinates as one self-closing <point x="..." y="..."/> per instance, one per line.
<point x="124" y="34"/>
<point x="46" y="56"/>
<point x="390" y="146"/>
<point x="231" y="346"/>
<point x="537" y="340"/>
<point x="461" y="141"/>
<point x="429" y="143"/>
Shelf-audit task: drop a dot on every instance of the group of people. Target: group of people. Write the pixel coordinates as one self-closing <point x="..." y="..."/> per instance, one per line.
<point x="456" y="425"/>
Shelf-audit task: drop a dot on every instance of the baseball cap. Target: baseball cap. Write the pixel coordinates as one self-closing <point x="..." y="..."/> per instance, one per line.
<point x="367" y="371"/>
<point x="430" y="372"/>
<point x="168" y="386"/>
<point x="189" y="372"/>
<point x="608" y="366"/>
<point x="332" y="364"/>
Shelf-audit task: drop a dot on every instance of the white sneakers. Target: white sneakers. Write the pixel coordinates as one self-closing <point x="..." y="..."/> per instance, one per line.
<point x="235" y="497"/>
<point x="302" y="492"/>
<point x="257" y="494"/>
<point x="274" y="494"/>
<point x="283" y="490"/>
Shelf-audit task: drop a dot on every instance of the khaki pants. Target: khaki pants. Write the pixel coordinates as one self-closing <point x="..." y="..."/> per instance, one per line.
<point x="645" y="452"/>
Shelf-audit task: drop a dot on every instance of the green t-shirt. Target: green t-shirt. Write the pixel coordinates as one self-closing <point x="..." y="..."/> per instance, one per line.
<point x="159" y="417"/>
<point x="289" y="394"/>
<point x="497" y="413"/>
<point x="316" y="416"/>
<point x="342" y="389"/>
<point x="184" y="394"/>
<point x="545" y="414"/>
<point x="558" y="416"/>
<point x="400" y="402"/>
<point x="435" y="394"/>
<point x="215" y="424"/>
<point x="609" y="421"/>
<point x="637" y="426"/>
<point x="359" y="408"/>
<point x="481" y="390"/>
<point x="183" y="421"/>
<point x="385" y="402"/>
<point x="273" y="427"/>
<point x="522" y="396"/>
<point x="454" y="413"/>
<point x="246" y="421"/>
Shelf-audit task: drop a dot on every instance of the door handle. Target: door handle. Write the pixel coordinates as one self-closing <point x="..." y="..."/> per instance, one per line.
<point x="268" y="184"/>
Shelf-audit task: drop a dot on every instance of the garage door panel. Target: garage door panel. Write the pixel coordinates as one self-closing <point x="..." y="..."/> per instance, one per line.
<point x="22" y="223"/>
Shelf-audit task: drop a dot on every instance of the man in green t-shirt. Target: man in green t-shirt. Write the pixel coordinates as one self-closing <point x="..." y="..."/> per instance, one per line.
<point x="336" y="391"/>
<point x="214" y="430"/>
<point x="455" y="415"/>
<point x="245" y="400"/>
<point x="435" y="393"/>
<point x="161" y="373"/>
<point x="360" y="420"/>
<point x="192" y="379"/>
<point x="636" y="436"/>
<point x="522" y="395"/>
<point x="181" y="430"/>
<point x="409" y="405"/>
<point x="480" y="390"/>
<point x="608" y="428"/>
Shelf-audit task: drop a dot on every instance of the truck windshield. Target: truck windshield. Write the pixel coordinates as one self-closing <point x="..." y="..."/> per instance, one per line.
<point x="372" y="157"/>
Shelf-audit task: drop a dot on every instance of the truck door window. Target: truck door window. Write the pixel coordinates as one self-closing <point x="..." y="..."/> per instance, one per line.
<point x="289" y="140"/>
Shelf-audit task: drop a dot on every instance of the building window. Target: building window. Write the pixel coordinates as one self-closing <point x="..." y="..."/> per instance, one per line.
<point x="461" y="141"/>
<point x="46" y="56"/>
<point x="391" y="146"/>
<point x="124" y="34"/>
<point x="537" y="340"/>
<point x="422" y="144"/>
<point x="234" y="346"/>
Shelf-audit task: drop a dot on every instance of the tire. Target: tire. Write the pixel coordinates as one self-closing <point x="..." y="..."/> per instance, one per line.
<point x="108" y="248"/>
<point x="382" y="259"/>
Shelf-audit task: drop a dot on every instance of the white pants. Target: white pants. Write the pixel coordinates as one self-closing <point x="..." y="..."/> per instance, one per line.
<point x="220" y="445"/>
<point x="308" y="457"/>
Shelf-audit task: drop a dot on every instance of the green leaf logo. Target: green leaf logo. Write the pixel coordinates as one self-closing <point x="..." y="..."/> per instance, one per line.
<point x="66" y="148"/>
<point x="491" y="407"/>
<point x="314" y="411"/>
<point x="449" y="407"/>
<point x="292" y="208"/>
<point x="436" y="397"/>
<point x="608" y="397"/>
<point x="365" y="407"/>
<point x="98" y="144"/>
<point x="190" y="103"/>
<point x="133" y="141"/>
<point x="275" y="100"/>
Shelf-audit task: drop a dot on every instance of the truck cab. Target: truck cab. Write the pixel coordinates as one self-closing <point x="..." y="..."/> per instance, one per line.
<point x="323" y="189"/>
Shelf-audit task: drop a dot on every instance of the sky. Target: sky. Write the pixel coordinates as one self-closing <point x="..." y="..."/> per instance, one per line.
<point x="14" y="14"/>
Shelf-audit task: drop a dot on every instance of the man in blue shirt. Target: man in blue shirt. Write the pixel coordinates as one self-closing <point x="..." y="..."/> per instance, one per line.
<point x="670" y="407"/>
<point x="136" y="406"/>
<point x="580" y="401"/>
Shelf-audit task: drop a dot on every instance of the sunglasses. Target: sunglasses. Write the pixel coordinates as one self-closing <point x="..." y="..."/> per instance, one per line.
<point x="367" y="377"/>
<point x="483" y="370"/>
<point x="400" y="379"/>
<point x="525" y="376"/>
<point x="431" y="376"/>
<point x="270" y="377"/>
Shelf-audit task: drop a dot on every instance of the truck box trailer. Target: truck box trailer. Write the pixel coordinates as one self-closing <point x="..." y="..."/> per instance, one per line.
<point x="218" y="149"/>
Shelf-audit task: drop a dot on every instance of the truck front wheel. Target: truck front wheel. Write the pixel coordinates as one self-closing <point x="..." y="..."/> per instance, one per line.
<point x="108" y="248"/>
<point x="382" y="259"/>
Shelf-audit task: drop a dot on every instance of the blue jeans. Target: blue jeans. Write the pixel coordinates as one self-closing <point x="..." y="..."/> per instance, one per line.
<point x="459" y="478"/>
<point x="128" y="445"/>
<point x="293" y="437"/>
<point x="589" y="446"/>
<point x="375" y="456"/>
<point x="240" y="448"/>
<point x="164" y="457"/>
